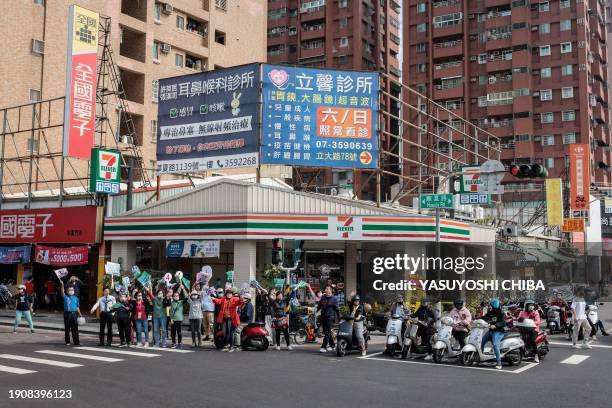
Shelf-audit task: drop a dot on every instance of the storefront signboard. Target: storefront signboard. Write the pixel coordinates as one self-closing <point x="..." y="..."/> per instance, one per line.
<point x="65" y="256"/>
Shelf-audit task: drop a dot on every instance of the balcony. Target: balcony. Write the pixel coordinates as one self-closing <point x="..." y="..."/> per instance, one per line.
<point x="499" y="62"/>
<point x="135" y="9"/>
<point x="448" y="49"/>
<point x="497" y="19"/>
<point x="496" y="42"/>
<point x="441" y="8"/>
<point x="448" y="69"/>
<point x="133" y="84"/>
<point x="311" y="32"/>
<point x="312" y="14"/>
<point x="312" y="52"/>
<point x="449" y="89"/>
<point x="133" y="44"/>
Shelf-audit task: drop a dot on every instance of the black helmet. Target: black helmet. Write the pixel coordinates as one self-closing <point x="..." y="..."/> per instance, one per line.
<point x="356" y="297"/>
<point x="458" y="303"/>
<point x="425" y="302"/>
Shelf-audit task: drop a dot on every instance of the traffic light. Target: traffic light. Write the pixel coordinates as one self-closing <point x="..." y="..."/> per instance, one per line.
<point x="277" y="251"/>
<point x="298" y="245"/>
<point x="528" y="171"/>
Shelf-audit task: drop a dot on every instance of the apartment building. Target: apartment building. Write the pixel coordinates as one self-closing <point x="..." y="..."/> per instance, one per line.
<point x="150" y="40"/>
<point x="337" y="34"/>
<point x="533" y="73"/>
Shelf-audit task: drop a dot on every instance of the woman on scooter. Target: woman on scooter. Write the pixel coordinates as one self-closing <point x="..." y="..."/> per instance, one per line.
<point x="530" y="334"/>
<point x="358" y="315"/>
<point x="497" y="323"/>
<point x="463" y="320"/>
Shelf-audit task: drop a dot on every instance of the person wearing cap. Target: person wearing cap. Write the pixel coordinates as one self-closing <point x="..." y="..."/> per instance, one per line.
<point x="195" y="318"/>
<point x="497" y="323"/>
<point x="23" y="307"/>
<point x="228" y="316"/>
<point x="358" y="315"/>
<point x="245" y="313"/>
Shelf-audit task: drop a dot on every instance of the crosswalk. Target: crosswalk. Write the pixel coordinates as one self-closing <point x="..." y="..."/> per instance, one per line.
<point x="76" y="357"/>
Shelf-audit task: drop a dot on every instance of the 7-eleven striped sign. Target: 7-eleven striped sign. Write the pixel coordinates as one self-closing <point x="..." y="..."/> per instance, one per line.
<point x="470" y="179"/>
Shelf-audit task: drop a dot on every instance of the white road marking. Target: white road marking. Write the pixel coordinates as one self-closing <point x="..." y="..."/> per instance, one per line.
<point x="15" y="370"/>
<point x="125" y="352"/>
<point x="77" y="355"/>
<point x="163" y="349"/>
<point x="575" y="359"/>
<point x="40" y="361"/>
<point x="525" y="367"/>
<point x="558" y="343"/>
<point x="371" y="355"/>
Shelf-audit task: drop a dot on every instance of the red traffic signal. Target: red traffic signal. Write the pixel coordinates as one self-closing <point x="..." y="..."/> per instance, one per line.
<point x="528" y="171"/>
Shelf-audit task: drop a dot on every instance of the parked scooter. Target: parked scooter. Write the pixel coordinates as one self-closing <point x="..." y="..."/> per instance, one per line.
<point x="254" y="335"/>
<point x="395" y="337"/>
<point x="511" y="349"/>
<point x="541" y="338"/>
<point x="413" y="344"/>
<point x="445" y="345"/>
<point x="556" y="319"/>
<point x="346" y="341"/>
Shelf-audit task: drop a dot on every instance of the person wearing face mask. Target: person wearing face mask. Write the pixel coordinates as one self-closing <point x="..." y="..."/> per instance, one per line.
<point x="246" y="316"/>
<point x="530" y="334"/>
<point x="176" y="317"/>
<point x="105" y="304"/>
<point x="228" y="316"/>
<point x="141" y="320"/>
<point x="462" y="319"/>
<point x="71" y="312"/>
<point x="358" y="315"/>
<point x="122" y="310"/>
<point x="497" y="324"/>
<point x="195" y="318"/>
<point x="23" y="307"/>
<point x="160" y="337"/>
<point x="426" y="330"/>
<point x="280" y="320"/>
<point x="330" y="314"/>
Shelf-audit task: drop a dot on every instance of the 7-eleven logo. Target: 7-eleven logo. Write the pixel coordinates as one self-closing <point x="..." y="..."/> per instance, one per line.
<point x="109" y="165"/>
<point x="346" y="228"/>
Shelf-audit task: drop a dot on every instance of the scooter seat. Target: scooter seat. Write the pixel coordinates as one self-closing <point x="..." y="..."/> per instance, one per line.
<point x="511" y="334"/>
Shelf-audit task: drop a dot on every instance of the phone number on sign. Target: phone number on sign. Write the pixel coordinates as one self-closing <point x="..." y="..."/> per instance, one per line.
<point x="40" y="394"/>
<point x="322" y="144"/>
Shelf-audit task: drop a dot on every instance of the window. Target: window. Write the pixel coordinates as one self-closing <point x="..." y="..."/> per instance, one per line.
<point x="153" y="131"/>
<point x="544" y="50"/>
<point x="566" y="47"/>
<point x="39" y="2"/>
<point x="421" y="88"/>
<point x="421" y="68"/>
<point x="565" y="25"/>
<point x="569" y="138"/>
<point x="421" y="7"/>
<point x="154" y="90"/>
<point x="344" y="42"/>
<point x="35" y="95"/>
<point x="546" y="95"/>
<point x="568" y="116"/>
<point x="180" y="22"/>
<point x="566" y="69"/>
<point x="219" y="37"/>
<point x="342" y="3"/>
<point x="421" y="47"/>
<point x="564" y="3"/>
<point x="567" y="92"/>
<point x="546" y="72"/>
<point x="343" y="60"/>
<point x="421" y="28"/>
<point x="155" y="51"/>
<point x="178" y="60"/>
<point x="221" y="4"/>
<point x="193" y="62"/>
<point x="548" y="140"/>
<point x="544" y="6"/>
<point x="157" y="12"/>
<point x="343" y="23"/>
<point x="546" y="117"/>
<point x="447" y="20"/>
<point x="545" y="28"/>
<point x="522" y="138"/>
<point x="482" y="58"/>
<point x="32" y="145"/>
<point x="550" y="163"/>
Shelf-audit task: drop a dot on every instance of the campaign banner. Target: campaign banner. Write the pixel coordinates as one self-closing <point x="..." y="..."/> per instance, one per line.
<point x="319" y="118"/>
<point x="112" y="268"/>
<point x="580" y="177"/>
<point x="76" y="255"/>
<point x="50" y="225"/>
<point x="193" y="249"/>
<point x="81" y="79"/>
<point x="15" y="255"/>
<point x="61" y="273"/>
<point x="209" y="120"/>
<point x="554" y="202"/>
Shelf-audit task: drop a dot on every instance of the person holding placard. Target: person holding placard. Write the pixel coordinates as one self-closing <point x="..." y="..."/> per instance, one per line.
<point x="160" y="337"/>
<point x="141" y="320"/>
<point x="176" y="317"/>
<point x="105" y="304"/>
<point x="195" y="317"/>
<point x="122" y="310"/>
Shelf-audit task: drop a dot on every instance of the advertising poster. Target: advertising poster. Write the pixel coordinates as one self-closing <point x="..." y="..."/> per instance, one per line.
<point x="193" y="249"/>
<point x="81" y="79"/>
<point x="15" y="255"/>
<point x="209" y="120"/>
<point x="76" y="255"/>
<point x="319" y="118"/>
<point x="580" y="177"/>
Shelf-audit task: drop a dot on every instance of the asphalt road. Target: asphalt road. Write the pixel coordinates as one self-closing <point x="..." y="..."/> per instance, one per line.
<point x="302" y="378"/>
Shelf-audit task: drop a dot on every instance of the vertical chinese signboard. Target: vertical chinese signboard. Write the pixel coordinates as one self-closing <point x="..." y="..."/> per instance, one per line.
<point x="81" y="73"/>
<point x="554" y="202"/>
<point x="320" y="118"/>
<point x="209" y="120"/>
<point x="580" y="177"/>
<point x="105" y="172"/>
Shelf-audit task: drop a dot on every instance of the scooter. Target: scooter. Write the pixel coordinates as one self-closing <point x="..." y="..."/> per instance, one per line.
<point x="346" y="341"/>
<point x="511" y="348"/>
<point x="445" y="345"/>
<point x="254" y="335"/>
<point x="555" y="320"/>
<point x="541" y="338"/>
<point x="413" y="344"/>
<point x="395" y="337"/>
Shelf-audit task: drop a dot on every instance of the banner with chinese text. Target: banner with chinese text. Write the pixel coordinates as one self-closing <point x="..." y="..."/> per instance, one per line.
<point x="209" y="120"/>
<point x="76" y="255"/>
<point x="580" y="177"/>
<point x="319" y="118"/>
<point x="81" y="73"/>
<point x="554" y="202"/>
<point x="15" y="255"/>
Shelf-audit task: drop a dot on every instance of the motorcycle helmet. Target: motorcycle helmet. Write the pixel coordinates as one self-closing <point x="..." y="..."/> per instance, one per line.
<point x="458" y="304"/>
<point x="425" y="302"/>
<point x="399" y="299"/>
<point x="356" y="297"/>
<point x="494" y="303"/>
<point x="528" y="303"/>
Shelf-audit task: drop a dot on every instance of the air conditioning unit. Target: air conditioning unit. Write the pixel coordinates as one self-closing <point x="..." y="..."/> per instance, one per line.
<point x="535" y="28"/>
<point x="127" y="140"/>
<point x="165" y="48"/>
<point x="38" y="46"/>
<point x="167" y="8"/>
<point x="492" y="80"/>
<point x="536" y="93"/>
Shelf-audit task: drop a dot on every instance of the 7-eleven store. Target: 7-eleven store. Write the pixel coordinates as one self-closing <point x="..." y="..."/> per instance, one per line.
<point x="341" y="236"/>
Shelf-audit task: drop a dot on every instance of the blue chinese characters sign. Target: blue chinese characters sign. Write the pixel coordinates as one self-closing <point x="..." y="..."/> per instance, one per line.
<point x="320" y="118"/>
<point x="209" y="120"/>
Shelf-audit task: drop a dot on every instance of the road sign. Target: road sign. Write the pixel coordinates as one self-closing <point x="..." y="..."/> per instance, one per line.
<point x="491" y="174"/>
<point x="467" y="199"/>
<point x="470" y="179"/>
<point x="429" y="201"/>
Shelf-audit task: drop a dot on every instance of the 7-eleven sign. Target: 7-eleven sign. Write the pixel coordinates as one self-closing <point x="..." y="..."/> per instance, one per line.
<point x="470" y="179"/>
<point x="105" y="172"/>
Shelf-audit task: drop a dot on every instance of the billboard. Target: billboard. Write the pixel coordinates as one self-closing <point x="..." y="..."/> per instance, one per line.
<point x="209" y="120"/>
<point x="580" y="177"/>
<point x="66" y="256"/>
<point x="105" y="172"/>
<point x="554" y="202"/>
<point x="81" y="73"/>
<point x="319" y="118"/>
<point x="15" y="255"/>
<point x="193" y="249"/>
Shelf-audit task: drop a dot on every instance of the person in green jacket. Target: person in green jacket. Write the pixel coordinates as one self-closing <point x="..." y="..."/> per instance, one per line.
<point x="159" y="319"/>
<point x="176" y="316"/>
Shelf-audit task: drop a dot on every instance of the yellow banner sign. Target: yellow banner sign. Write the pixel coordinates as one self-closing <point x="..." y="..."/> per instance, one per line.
<point x="554" y="202"/>
<point x="573" y="225"/>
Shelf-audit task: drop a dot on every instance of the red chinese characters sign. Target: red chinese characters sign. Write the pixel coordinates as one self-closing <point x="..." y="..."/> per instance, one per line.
<point x="580" y="176"/>
<point x="50" y="225"/>
<point x="81" y="73"/>
<point x="76" y="255"/>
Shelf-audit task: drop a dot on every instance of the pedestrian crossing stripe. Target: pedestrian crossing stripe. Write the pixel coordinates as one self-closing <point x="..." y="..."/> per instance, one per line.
<point x="77" y="355"/>
<point x="172" y="350"/>
<point x="575" y="359"/>
<point x="15" y="370"/>
<point x="39" y="361"/>
<point x="124" y="352"/>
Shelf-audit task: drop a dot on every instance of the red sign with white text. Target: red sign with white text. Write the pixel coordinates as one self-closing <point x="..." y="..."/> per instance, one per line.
<point x="76" y="255"/>
<point x="50" y="225"/>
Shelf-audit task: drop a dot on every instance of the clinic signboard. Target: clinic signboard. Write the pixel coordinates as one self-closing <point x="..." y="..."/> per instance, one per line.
<point x="209" y="120"/>
<point x="319" y="118"/>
